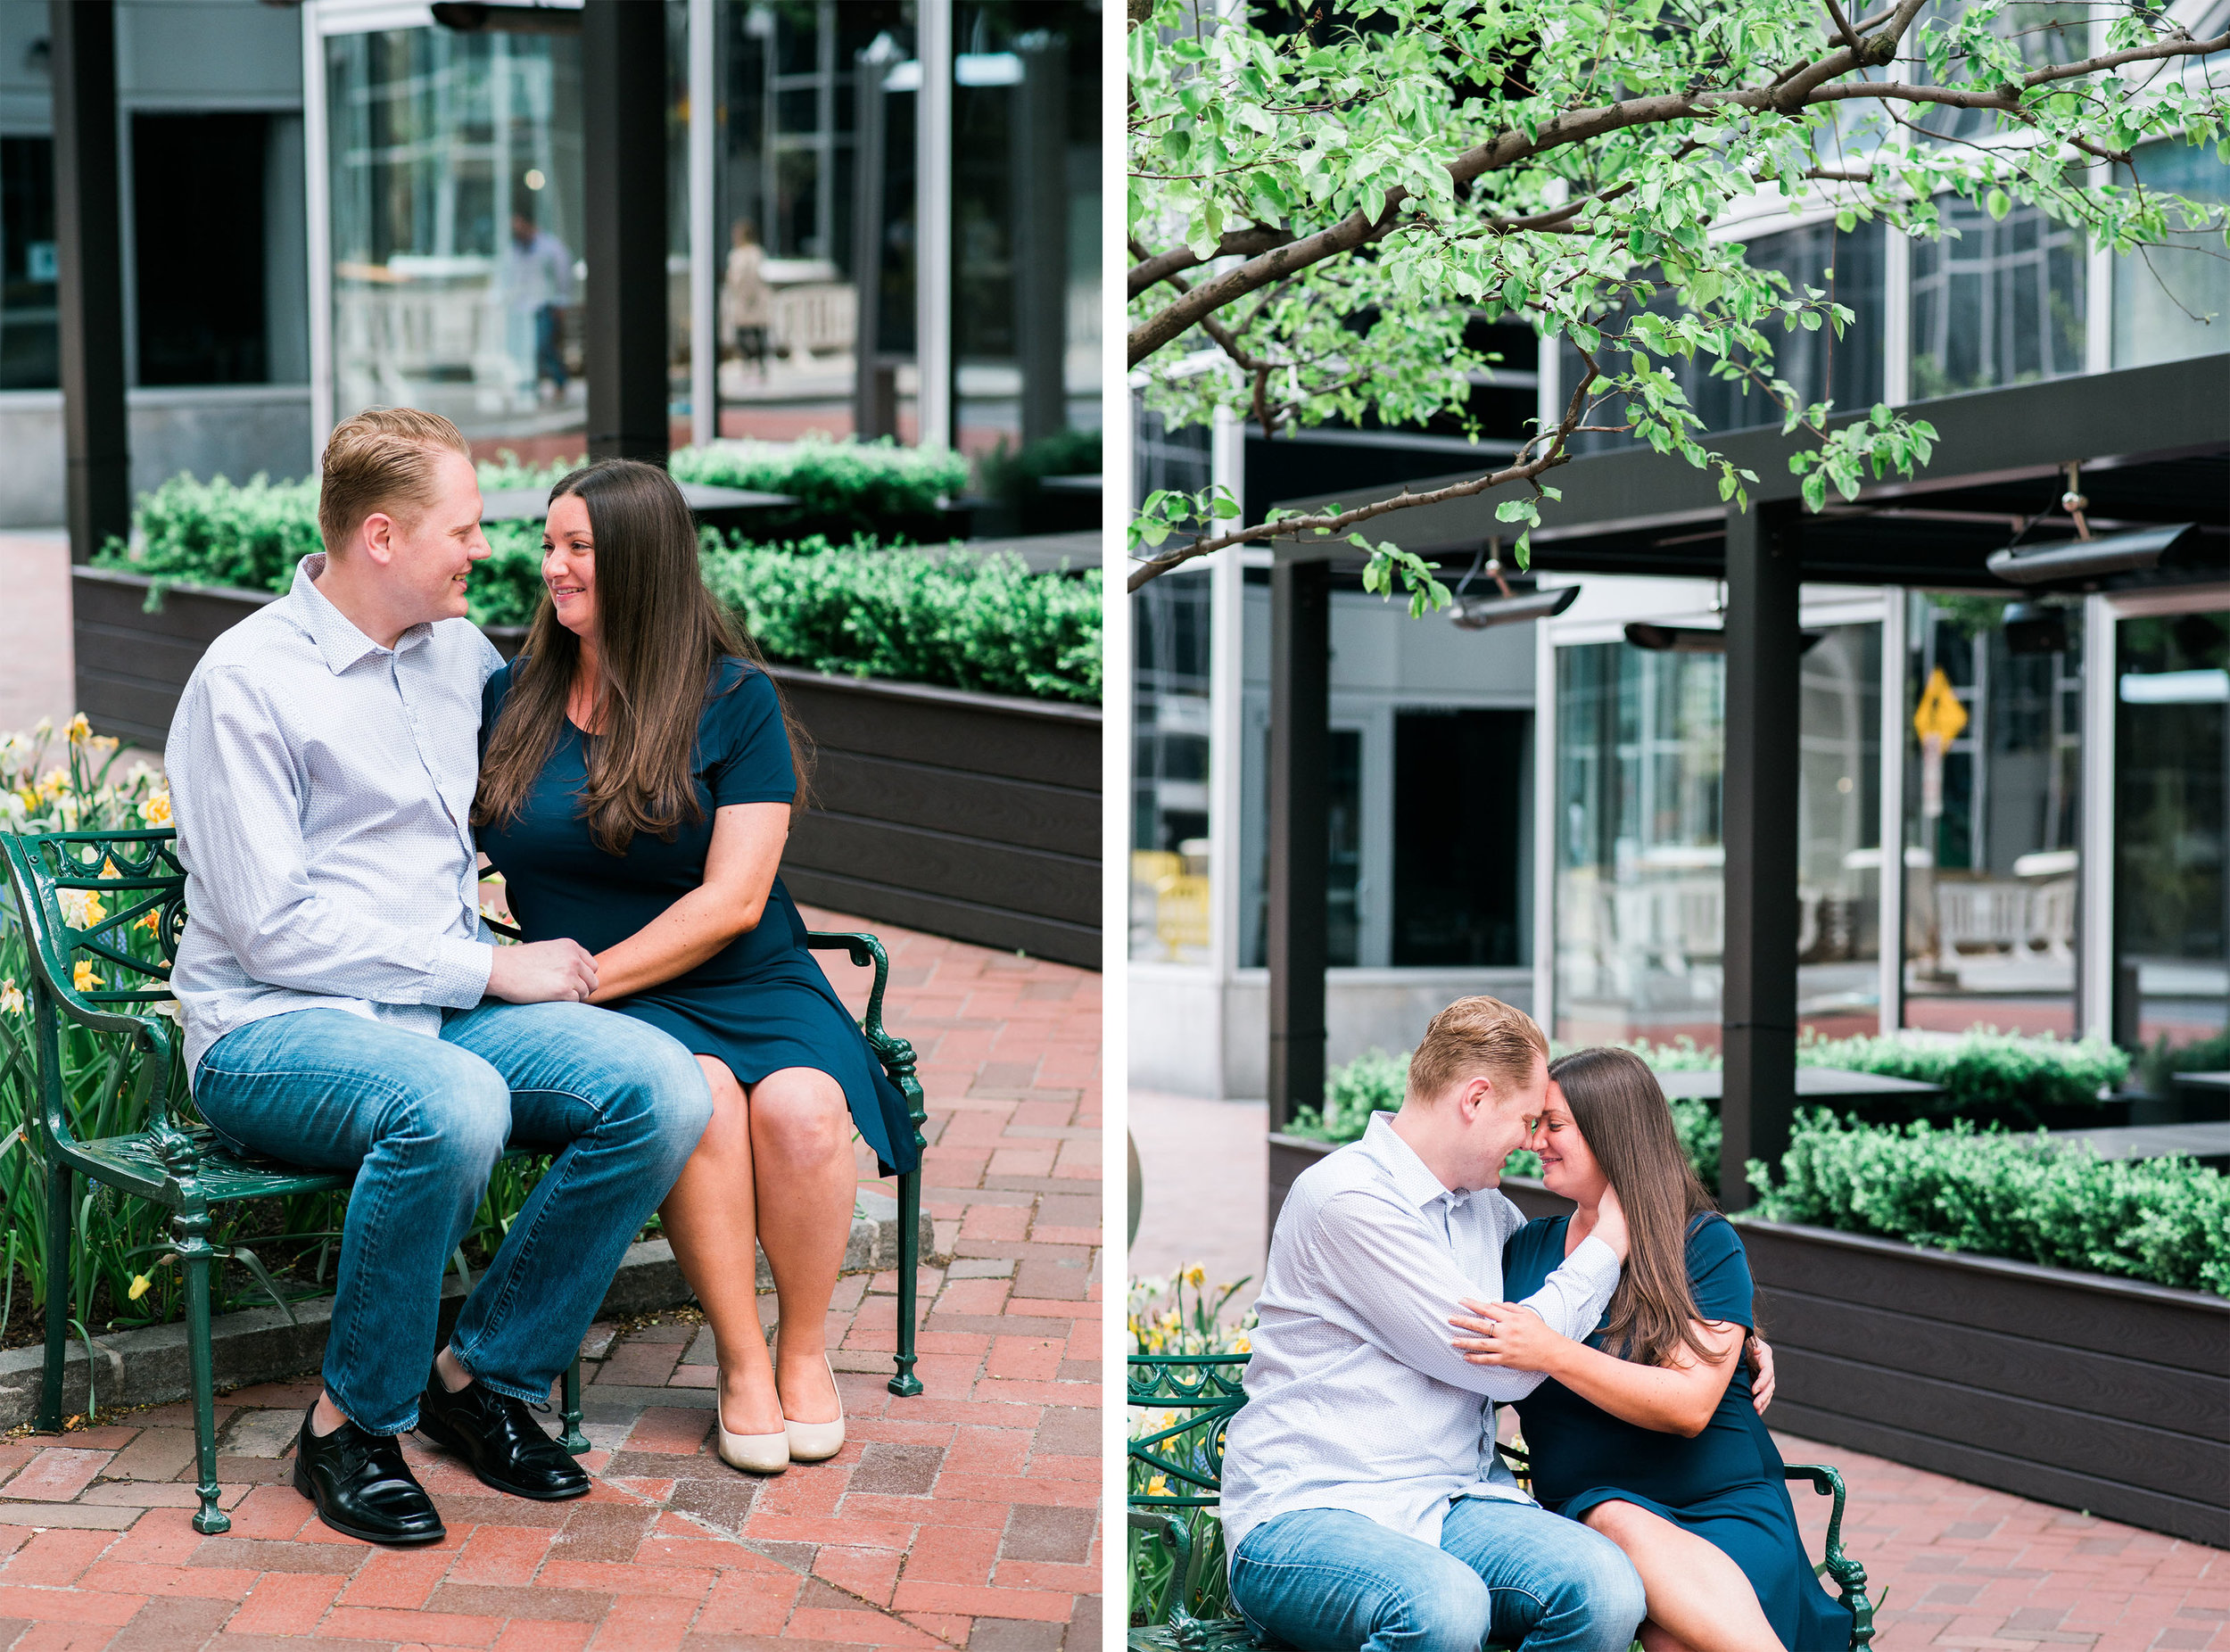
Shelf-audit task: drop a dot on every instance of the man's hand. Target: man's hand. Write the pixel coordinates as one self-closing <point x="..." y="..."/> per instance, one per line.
<point x="542" y="972"/>
<point x="1761" y="1359"/>
<point x="1506" y="1333"/>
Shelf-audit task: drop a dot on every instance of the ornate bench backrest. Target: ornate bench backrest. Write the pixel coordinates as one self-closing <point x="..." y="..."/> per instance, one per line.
<point x="1182" y="1453"/>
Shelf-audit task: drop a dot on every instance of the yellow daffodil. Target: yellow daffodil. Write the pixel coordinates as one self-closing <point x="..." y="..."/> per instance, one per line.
<point x="1196" y="1276"/>
<point x="11" y="998"/>
<point x="79" y="729"/>
<point x="104" y="742"/>
<point x="140" y="1281"/>
<point x="1158" y="1486"/>
<point x="84" y="979"/>
<point x="150" y="921"/>
<point x="1241" y="1345"/>
<point x="156" y="810"/>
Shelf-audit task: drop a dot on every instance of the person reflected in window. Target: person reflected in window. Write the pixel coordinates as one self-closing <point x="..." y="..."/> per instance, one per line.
<point x="537" y="291"/>
<point x="746" y="301"/>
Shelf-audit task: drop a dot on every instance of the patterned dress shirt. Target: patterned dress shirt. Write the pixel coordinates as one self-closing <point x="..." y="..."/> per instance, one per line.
<point x="322" y="787"/>
<point x="1355" y="1400"/>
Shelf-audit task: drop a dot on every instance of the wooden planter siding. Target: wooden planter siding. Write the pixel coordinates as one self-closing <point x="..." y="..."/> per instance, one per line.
<point x="971" y="816"/>
<point x="2075" y="1389"/>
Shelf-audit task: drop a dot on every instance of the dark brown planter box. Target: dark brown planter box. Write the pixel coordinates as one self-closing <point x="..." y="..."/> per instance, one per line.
<point x="2075" y="1389"/>
<point x="971" y="816"/>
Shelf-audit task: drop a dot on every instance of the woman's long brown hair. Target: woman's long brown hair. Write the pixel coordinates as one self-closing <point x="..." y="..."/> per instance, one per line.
<point x="660" y="638"/>
<point x="1621" y="1114"/>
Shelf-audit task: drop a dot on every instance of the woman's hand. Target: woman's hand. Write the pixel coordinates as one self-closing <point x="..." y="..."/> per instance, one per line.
<point x="1761" y="1358"/>
<point x="1506" y="1333"/>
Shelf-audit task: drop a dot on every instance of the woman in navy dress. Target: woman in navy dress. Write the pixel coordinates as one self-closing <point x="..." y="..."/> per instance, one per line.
<point x="1646" y="1432"/>
<point x="637" y="785"/>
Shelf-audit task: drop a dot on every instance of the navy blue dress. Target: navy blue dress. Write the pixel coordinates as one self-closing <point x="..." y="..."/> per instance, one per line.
<point x="761" y="1003"/>
<point x="1725" y="1484"/>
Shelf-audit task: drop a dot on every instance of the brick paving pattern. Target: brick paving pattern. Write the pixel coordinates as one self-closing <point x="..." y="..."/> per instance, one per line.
<point x="965" y="1517"/>
<point x="1970" y="1570"/>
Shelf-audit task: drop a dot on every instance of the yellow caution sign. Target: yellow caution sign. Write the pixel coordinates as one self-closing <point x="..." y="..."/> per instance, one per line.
<point x="1940" y="713"/>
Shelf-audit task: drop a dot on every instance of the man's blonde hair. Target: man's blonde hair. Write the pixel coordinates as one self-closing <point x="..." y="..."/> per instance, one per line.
<point x="1473" y="1038"/>
<point x="379" y="461"/>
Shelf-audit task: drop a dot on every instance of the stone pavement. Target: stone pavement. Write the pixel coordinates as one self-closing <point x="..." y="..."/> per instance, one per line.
<point x="965" y="1517"/>
<point x="1970" y="1570"/>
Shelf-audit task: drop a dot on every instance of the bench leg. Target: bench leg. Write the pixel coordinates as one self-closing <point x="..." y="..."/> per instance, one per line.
<point x="57" y="1294"/>
<point x="904" y="1384"/>
<point x="573" y="1439"/>
<point x="192" y="1229"/>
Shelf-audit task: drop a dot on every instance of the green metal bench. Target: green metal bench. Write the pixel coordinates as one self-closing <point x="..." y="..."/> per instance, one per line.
<point x="1184" y="1456"/>
<point x="182" y="1166"/>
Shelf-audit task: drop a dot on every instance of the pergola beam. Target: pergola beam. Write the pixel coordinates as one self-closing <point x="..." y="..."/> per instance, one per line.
<point x="1300" y="847"/>
<point x="623" y="178"/>
<point x="95" y="432"/>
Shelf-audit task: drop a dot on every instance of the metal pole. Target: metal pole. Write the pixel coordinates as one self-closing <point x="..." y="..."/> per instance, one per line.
<point x="705" y="228"/>
<point x="2094" y="932"/>
<point x="933" y="225"/>
<point x="1758" y="1016"/>
<point x="95" y="435"/>
<point x="1301" y="740"/>
<point x="1889" y="927"/>
<point x="624" y="132"/>
<point x="874" y="411"/>
<point x="1039" y="150"/>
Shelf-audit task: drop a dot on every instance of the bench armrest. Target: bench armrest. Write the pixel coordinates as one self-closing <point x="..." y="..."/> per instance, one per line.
<point x="895" y="1054"/>
<point x="1172" y="1530"/>
<point x="1849" y="1575"/>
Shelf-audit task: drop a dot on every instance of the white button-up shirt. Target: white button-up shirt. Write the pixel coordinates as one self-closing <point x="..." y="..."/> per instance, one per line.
<point x="322" y="788"/>
<point x="1355" y="1400"/>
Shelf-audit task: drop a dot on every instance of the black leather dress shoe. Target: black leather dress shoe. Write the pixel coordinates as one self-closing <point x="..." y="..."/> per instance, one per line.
<point x="499" y="1441"/>
<point x="362" y="1487"/>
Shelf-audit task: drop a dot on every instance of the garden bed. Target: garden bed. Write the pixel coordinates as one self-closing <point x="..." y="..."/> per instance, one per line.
<point x="2075" y="1389"/>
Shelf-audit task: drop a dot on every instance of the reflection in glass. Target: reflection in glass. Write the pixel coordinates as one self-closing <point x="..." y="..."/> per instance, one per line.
<point x="1991" y="840"/>
<point x="456" y="227"/>
<point x="2171" y="722"/>
<point x="30" y="357"/>
<point x="2164" y="297"/>
<point x="2001" y="305"/>
<point x="1170" y="819"/>
<point x="1640" y="846"/>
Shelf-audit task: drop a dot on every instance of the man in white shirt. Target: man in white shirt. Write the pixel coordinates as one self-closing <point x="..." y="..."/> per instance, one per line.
<point x="537" y="291"/>
<point x="1363" y="1502"/>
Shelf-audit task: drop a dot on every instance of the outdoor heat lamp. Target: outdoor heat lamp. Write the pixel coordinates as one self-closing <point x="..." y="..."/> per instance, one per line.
<point x="1480" y="613"/>
<point x="2081" y="561"/>
<point x="471" y="17"/>
<point x="1694" y="639"/>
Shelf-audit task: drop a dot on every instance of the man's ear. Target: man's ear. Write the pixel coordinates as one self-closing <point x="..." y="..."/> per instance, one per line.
<point x="1478" y="1095"/>
<point x="376" y="537"/>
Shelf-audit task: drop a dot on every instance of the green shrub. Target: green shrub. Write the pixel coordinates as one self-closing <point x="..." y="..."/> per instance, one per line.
<point x="842" y="488"/>
<point x="950" y="617"/>
<point x="213" y="533"/>
<point x="2159" y="1064"/>
<point x="2026" y="1197"/>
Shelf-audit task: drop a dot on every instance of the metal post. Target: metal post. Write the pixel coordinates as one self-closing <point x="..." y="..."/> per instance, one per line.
<point x="1301" y="740"/>
<point x="88" y="234"/>
<point x="707" y="235"/>
<point x="875" y="381"/>
<point x="623" y="133"/>
<point x="2094" y="979"/>
<point x="933" y="225"/>
<point x="1758" y="1015"/>
<point x="1039" y="152"/>
<point x="1890" y="926"/>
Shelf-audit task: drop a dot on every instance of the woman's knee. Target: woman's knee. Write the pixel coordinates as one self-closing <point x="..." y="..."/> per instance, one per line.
<point x="1600" y="1573"/>
<point x="799" y="1116"/>
<point x="730" y="1130"/>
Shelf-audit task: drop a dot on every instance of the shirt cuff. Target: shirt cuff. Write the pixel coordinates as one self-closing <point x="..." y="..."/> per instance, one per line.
<point x="1595" y="1265"/>
<point x="458" y="978"/>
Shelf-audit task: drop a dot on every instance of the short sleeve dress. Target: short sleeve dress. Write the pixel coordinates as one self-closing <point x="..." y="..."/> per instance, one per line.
<point x="1725" y="1484"/>
<point x="761" y="1003"/>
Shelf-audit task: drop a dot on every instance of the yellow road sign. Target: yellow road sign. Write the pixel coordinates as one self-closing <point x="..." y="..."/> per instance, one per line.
<point x="1940" y="713"/>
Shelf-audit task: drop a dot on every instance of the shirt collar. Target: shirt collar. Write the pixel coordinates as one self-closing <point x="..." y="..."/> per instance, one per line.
<point x="339" y="641"/>
<point x="1411" y="1178"/>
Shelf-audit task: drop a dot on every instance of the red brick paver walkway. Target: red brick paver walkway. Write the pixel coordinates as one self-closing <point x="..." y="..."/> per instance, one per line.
<point x="966" y="1517"/>
<point x="1962" y="1569"/>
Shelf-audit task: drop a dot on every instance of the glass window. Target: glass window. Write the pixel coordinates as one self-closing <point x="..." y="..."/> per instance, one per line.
<point x="2171" y="705"/>
<point x="31" y="355"/>
<point x="1460" y="822"/>
<point x="2174" y="301"/>
<point x="2001" y="305"/>
<point x="455" y="231"/>
<point x="1991" y="825"/>
<point x="1849" y="268"/>
<point x="1640" y="846"/>
<point x="198" y="184"/>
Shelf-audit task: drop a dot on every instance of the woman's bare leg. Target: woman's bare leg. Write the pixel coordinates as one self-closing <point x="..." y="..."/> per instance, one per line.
<point x="711" y="1219"/>
<point x="801" y="1150"/>
<point x="1699" y="1599"/>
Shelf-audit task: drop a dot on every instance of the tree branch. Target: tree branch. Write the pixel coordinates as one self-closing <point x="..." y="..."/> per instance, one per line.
<point x="1153" y="266"/>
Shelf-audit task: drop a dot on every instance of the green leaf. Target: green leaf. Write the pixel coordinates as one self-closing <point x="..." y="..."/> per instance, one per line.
<point x="1997" y="203"/>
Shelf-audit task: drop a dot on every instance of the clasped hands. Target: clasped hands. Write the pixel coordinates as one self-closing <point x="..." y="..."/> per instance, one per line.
<point x="1511" y="1335"/>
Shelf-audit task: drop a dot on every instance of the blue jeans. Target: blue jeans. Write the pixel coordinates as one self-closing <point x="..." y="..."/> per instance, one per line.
<point x="1328" y="1580"/>
<point x="423" y="1121"/>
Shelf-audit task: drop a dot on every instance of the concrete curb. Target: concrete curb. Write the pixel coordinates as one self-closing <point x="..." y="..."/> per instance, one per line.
<point x="258" y="1345"/>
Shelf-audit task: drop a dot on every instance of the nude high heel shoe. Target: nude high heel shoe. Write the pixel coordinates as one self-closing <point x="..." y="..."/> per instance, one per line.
<point x="757" y="1454"/>
<point x="816" y="1442"/>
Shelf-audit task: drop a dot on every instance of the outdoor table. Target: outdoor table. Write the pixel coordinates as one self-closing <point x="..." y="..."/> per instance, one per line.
<point x="2207" y="1140"/>
<point x="2218" y="1084"/>
<point x="719" y="507"/>
<point x="1813" y="1084"/>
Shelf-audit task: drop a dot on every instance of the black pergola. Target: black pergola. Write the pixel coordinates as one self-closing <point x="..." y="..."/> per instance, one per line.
<point x="2154" y="447"/>
<point x="623" y="119"/>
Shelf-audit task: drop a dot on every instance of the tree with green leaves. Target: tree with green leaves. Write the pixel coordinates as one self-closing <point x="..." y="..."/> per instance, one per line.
<point x="1322" y="202"/>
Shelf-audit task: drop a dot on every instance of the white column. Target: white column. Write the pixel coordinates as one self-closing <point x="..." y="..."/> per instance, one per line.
<point x="1890" y="925"/>
<point x="705" y="237"/>
<point x="933" y="238"/>
<point x="1226" y="697"/>
<point x="1545" y="824"/>
<point x="1896" y="318"/>
<point x="318" y="224"/>
<point x="2094" y="967"/>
